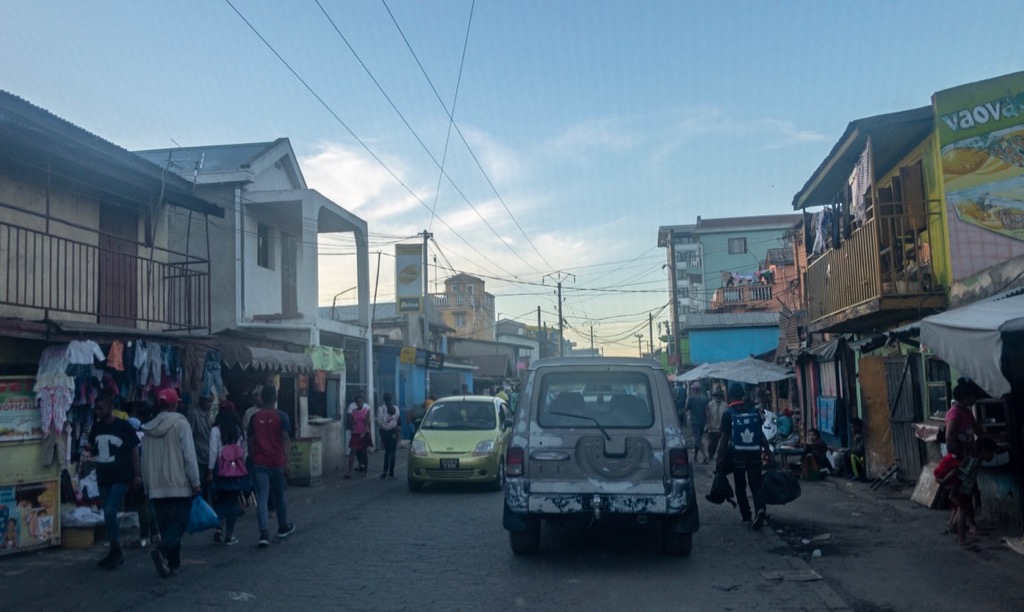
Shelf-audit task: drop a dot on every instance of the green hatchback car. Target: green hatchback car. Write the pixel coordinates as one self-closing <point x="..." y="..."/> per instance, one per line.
<point x="461" y="439"/>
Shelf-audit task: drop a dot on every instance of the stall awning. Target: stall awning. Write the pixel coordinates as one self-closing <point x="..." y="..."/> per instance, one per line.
<point x="970" y="338"/>
<point x="266" y="359"/>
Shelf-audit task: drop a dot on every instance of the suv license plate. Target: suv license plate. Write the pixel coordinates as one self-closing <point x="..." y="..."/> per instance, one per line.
<point x="450" y="464"/>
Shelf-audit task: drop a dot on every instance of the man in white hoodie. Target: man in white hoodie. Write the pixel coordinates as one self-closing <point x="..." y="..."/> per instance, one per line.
<point x="171" y="475"/>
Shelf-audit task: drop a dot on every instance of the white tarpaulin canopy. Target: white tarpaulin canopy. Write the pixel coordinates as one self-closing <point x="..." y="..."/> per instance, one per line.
<point x="751" y="371"/>
<point x="699" y="372"/>
<point x="970" y="339"/>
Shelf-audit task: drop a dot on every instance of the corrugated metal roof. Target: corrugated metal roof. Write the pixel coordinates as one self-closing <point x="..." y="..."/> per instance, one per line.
<point x="729" y="223"/>
<point x="215" y="158"/>
<point x="893" y="135"/>
<point x="713" y="320"/>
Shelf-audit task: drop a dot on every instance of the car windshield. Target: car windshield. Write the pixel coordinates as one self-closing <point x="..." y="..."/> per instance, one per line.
<point x="603" y="399"/>
<point x="460" y="416"/>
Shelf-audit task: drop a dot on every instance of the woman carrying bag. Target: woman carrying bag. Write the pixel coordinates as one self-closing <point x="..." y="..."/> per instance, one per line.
<point x="228" y="471"/>
<point x="387" y="421"/>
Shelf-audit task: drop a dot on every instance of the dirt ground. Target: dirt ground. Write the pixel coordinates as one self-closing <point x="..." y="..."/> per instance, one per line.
<point x="881" y="551"/>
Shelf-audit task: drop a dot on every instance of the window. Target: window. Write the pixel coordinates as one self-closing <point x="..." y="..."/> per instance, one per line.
<point x="737" y="246"/>
<point x="469" y="289"/>
<point x="582" y="399"/>
<point x="683" y="292"/>
<point x="696" y="279"/>
<point x="460" y="319"/>
<point x="264" y="247"/>
<point x="680" y="275"/>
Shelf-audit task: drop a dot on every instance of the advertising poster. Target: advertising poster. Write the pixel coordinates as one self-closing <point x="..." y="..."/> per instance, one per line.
<point x="19" y="416"/>
<point x="409" y="277"/>
<point x="981" y="135"/>
<point x="29" y="516"/>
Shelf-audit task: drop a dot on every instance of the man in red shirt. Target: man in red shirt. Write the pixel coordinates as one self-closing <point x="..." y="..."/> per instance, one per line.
<point x="269" y="443"/>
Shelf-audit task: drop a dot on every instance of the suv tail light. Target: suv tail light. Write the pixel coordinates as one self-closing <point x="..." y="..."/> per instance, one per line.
<point x="678" y="463"/>
<point x="514" y="460"/>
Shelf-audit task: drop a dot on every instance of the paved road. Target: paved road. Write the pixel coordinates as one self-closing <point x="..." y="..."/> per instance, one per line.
<point x="372" y="545"/>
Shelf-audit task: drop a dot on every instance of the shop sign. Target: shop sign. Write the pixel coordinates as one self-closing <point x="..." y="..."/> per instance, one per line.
<point x="981" y="135"/>
<point x="28" y="516"/>
<point x="435" y="361"/>
<point x="408" y="355"/>
<point x="19" y="416"/>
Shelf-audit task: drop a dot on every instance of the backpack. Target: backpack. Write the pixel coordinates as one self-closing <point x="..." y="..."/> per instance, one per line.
<point x="231" y="462"/>
<point x="746" y="431"/>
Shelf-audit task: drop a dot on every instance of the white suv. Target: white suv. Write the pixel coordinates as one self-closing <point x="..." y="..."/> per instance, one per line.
<point x="597" y="439"/>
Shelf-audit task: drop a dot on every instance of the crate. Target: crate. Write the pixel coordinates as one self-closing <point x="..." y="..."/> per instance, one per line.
<point x="78" y="538"/>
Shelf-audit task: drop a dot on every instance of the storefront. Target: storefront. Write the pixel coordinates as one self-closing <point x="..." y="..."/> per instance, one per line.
<point x="984" y="341"/>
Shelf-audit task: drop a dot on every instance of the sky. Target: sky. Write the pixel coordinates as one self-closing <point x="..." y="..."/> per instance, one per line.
<point x="568" y="130"/>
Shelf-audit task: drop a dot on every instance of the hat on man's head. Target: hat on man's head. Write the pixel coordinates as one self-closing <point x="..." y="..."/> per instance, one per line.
<point x="167" y="396"/>
<point x="736" y="391"/>
<point x="695" y="386"/>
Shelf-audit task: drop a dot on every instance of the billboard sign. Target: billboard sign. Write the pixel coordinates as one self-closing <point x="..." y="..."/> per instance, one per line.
<point x="981" y="139"/>
<point x="409" y="277"/>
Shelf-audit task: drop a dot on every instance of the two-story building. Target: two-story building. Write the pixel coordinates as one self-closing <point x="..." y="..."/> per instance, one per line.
<point x="94" y="294"/>
<point x="466" y="307"/>
<point x="726" y="254"/>
<point x="912" y="211"/>
<point x="265" y="266"/>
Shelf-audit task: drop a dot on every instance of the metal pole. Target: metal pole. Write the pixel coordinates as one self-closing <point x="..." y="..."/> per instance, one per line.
<point x="561" y="323"/>
<point x="650" y="333"/>
<point x="639" y="344"/>
<point x="540" y="342"/>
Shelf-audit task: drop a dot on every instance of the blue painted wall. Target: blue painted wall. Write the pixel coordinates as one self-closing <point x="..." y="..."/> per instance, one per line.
<point x="711" y="345"/>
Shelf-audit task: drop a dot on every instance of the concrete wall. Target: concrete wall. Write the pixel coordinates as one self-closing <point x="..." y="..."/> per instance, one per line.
<point x="717" y="258"/>
<point x="731" y="344"/>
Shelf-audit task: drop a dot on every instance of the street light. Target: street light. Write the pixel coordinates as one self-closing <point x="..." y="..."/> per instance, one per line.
<point x="334" y="302"/>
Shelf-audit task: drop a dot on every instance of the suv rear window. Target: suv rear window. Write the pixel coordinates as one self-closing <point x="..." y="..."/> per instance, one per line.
<point x="613" y="400"/>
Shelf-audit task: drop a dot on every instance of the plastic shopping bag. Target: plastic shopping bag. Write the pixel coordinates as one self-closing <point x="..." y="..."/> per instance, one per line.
<point x="202" y="516"/>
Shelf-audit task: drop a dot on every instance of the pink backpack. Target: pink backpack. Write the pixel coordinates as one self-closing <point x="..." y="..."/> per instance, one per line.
<point x="231" y="462"/>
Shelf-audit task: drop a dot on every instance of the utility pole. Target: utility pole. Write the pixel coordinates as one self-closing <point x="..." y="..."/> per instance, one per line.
<point x="639" y="344"/>
<point x="559" y="277"/>
<point x="650" y="332"/>
<point x="591" y="338"/>
<point x="540" y="342"/>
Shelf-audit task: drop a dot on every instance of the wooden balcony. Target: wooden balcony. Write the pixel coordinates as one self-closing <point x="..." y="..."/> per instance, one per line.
<point x="744" y="298"/>
<point x="63" y="270"/>
<point x="880" y="276"/>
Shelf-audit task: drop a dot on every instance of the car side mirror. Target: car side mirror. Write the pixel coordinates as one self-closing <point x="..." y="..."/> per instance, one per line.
<point x="506" y="423"/>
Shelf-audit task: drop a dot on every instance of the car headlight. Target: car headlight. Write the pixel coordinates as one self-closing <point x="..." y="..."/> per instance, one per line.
<point x="485" y="447"/>
<point x="418" y="448"/>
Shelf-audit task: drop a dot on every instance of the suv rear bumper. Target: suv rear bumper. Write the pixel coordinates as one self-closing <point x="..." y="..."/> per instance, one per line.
<point x="685" y="518"/>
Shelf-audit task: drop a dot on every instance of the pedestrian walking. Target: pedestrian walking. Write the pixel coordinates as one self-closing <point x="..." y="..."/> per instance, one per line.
<point x="171" y="476"/>
<point x="269" y="442"/>
<point x="387" y="423"/>
<point x="115" y="449"/>
<point x="201" y="421"/>
<point x="716" y="408"/>
<point x="227" y="470"/>
<point x="696" y="407"/>
<point x="741" y="445"/>
<point x="358" y="416"/>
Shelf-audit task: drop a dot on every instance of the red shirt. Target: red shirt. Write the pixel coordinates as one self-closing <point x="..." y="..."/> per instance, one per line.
<point x="960" y="425"/>
<point x="949" y="463"/>
<point x="265" y="431"/>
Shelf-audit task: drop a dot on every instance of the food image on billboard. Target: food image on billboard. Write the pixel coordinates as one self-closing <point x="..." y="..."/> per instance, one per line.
<point x="985" y="181"/>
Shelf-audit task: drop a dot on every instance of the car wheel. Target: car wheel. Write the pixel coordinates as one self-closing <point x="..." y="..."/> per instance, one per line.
<point x="675" y="544"/>
<point x="499" y="480"/>
<point x="526" y="542"/>
<point x="415" y="485"/>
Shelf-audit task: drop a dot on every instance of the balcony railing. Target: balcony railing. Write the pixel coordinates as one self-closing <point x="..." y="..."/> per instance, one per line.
<point x="110" y="280"/>
<point x="742" y="296"/>
<point x="888" y="256"/>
